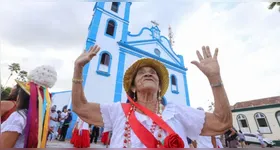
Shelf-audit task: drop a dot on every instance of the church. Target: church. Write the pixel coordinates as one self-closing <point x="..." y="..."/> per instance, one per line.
<point x="103" y="76"/>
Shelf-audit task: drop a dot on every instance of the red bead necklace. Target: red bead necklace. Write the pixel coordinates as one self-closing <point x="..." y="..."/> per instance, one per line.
<point x="127" y="129"/>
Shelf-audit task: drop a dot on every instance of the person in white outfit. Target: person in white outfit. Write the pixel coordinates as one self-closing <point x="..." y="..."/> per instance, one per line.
<point x="144" y="122"/>
<point x="53" y="124"/>
<point x="260" y="138"/>
<point x="206" y="141"/>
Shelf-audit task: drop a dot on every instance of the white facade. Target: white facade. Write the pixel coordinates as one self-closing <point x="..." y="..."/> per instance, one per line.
<point x="263" y="118"/>
<point x="120" y="48"/>
<point x="60" y="99"/>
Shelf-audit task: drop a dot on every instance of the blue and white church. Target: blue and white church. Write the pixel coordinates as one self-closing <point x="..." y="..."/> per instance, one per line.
<point x="103" y="76"/>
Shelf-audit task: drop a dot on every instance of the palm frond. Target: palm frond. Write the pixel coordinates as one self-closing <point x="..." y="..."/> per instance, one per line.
<point x="271" y="6"/>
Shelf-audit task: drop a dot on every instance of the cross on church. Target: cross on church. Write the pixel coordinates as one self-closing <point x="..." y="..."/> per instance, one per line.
<point x="155" y="23"/>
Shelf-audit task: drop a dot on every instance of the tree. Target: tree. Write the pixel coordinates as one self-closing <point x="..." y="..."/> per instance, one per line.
<point x="14" y="67"/>
<point x="22" y="76"/>
<point x="273" y="4"/>
<point x="5" y="92"/>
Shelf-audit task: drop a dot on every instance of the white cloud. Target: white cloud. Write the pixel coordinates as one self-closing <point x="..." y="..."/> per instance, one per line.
<point x="247" y="36"/>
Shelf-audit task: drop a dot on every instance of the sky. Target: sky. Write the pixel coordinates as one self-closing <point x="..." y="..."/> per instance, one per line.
<point x="246" y="33"/>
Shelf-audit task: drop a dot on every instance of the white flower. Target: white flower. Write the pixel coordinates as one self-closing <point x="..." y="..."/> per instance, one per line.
<point x="44" y="76"/>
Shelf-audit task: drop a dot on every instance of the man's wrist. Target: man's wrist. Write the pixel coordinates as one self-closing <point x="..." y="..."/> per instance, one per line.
<point x="215" y="81"/>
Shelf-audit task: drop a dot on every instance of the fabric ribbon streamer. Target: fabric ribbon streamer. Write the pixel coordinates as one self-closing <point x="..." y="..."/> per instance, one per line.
<point x="47" y="99"/>
<point x="31" y="131"/>
<point x="40" y="112"/>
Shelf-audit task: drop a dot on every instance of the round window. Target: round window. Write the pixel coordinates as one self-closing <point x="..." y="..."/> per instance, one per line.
<point x="157" y="52"/>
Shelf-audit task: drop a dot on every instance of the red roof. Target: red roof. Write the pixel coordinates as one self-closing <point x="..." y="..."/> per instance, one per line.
<point x="257" y="102"/>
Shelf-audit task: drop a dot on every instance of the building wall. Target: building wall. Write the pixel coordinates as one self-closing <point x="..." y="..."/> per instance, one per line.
<point x="100" y="88"/>
<point x="163" y="54"/>
<point x="121" y="10"/>
<point x="61" y="99"/>
<point x="271" y="118"/>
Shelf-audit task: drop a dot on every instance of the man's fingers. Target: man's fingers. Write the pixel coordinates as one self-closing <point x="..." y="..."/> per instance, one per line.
<point x="216" y="53"/>
<point x="208" y="52"/>
<point x="196" y="63"/>
<point x="92" y="48"/>
<point x="97" y="49"/>
<point x="204" y="52"/>
<point x="200" y="58"/>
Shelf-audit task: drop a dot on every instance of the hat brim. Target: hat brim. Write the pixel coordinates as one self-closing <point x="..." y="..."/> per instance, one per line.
<point x="147" y="62"/>
<point x="24" y="85"/>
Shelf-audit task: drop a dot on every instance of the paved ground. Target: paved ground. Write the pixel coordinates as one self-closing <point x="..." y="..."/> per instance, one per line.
<point x="66" y="144"/>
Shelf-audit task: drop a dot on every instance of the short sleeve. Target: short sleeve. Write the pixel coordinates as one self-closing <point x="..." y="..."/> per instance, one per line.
<point x="110" y="113"/>
<point x="15" y="123"/>
<point x="191" y="119"/>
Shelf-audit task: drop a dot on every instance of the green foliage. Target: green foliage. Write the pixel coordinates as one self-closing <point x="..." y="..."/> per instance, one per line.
<point x="22" y="76"/>
<point x="5" y="92"/>
<point x="273" y="4"/>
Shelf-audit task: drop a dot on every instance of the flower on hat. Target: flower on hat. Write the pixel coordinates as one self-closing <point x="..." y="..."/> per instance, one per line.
<point x="43" y="75"/>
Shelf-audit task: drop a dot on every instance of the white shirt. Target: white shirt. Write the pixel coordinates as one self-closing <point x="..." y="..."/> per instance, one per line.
<point x="204" y="142"/>
<point x="52" y="122"/>
<point x="63" y="115"/>
<point x="16" y="123"/>
<point x="185" y="121"/>
<point x="259" y="136"/>
<point x="82" y="125"/>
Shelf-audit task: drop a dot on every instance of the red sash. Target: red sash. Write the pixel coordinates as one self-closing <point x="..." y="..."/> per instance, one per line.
<point x="145" y="136"/>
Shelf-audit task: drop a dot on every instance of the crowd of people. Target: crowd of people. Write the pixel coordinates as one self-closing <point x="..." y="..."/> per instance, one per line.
<point x="59" y="123"/>
<point x="28" y="119"/>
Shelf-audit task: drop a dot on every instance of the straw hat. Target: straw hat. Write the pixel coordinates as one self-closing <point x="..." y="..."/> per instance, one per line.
<point x="44" y="76"/>
<point x="147" y="62"/>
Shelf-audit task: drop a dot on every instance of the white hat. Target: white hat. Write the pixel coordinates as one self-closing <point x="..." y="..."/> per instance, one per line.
<point x="43" y="75"/>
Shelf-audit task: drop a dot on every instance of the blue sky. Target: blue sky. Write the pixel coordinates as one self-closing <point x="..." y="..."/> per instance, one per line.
<point x="247" y="34"/>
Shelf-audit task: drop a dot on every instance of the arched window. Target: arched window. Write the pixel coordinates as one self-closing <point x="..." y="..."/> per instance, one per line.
<point x="174" y="84"/>
<point x="277" y="114"/>
<point x="104" y="63"/>
<point x="111" y="28"/>
<point x="105" y="59"/>
<point x="243" y="123"/>
<point x="115" y="7"/>
<point x="262" y="123"/>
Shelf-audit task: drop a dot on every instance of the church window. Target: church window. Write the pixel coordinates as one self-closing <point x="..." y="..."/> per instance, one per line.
<point x="277" y="114"/>
<point x="243" y="123"/>
<point x="115" y="7"/>
<point x="111" y="28"/>
<point x="174" y="84"/>
<point x="105" y="59"/>
<point x="157" y="52"/>
<point x="262" y="123"/>
<point x="104" y="63"/>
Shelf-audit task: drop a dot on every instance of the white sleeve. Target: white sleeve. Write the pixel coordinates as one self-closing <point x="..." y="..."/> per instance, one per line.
<point x="110" y="113"/>
<point x="192" y="120"/>
<point x="15" y="123"/>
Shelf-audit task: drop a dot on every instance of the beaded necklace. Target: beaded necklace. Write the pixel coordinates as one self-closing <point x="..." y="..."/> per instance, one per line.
<point x="127" y="132"/>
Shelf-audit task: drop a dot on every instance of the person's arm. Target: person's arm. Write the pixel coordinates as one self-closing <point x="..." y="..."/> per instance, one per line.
<point x="221" y="119"/>
<point x="232" y="132"/>
<point x="194" y="143"/>
<point x="6" y="106"/>
<point x="87" y="111"/>
<point x="214" y="142"/>
<point x="8" y="139"/>
<point x="53" y="118"/>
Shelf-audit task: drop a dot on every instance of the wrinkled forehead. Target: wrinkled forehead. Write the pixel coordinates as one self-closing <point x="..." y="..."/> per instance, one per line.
<point x="146" y="68"/>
